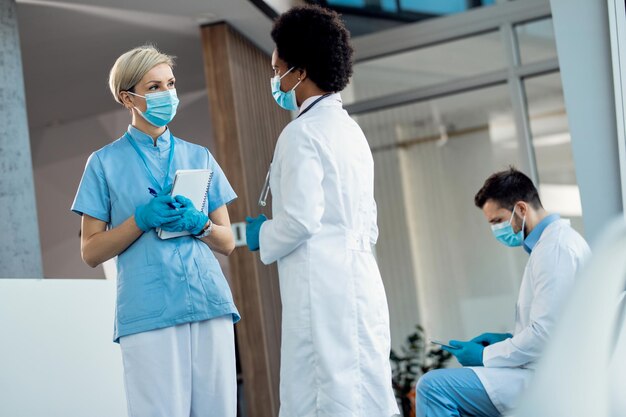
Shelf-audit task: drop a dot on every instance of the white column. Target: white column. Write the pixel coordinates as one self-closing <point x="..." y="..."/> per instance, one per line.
<point x="20" y="252"/>
<point x="582" y="38"/>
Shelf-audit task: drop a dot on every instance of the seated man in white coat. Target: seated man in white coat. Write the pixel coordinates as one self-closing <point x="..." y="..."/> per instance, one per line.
<point x="498" y="367"/>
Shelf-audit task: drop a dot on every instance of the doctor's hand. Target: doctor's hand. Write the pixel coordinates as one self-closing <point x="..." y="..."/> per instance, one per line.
<point x="253" y="228"/>
<point x="192" y="220"/>
<point x="467" y="353"/>
<point x="158" y="211"/>
<point x="487" y="339"/>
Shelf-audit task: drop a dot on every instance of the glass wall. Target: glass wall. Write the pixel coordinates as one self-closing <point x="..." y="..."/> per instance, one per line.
<point x="433" y="156"/>
<point x="428" y="66"/>
<point x="536" y="41"/>
<point x="427" y="7"/>
<point x="553" y="150"/>
<point x="440" y="119"/>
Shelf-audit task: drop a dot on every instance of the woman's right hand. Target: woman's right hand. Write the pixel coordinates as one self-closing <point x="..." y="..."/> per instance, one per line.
<point x="159" y="210"/>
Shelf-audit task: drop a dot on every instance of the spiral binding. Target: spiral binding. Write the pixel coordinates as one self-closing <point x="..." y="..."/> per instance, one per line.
<point x="206" y="192"/>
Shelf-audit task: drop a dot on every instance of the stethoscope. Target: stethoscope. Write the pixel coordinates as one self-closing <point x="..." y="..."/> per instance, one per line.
<point x="266" y="186"/>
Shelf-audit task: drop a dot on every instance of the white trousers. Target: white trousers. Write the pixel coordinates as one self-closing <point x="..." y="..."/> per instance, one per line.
<point x="182" y="371"/>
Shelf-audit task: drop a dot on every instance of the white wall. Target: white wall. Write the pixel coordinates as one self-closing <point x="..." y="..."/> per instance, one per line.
<point x="59" y="155"/>
<point x="57" y="357"/>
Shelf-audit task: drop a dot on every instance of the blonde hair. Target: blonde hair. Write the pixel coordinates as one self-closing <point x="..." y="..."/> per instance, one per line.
<point x="131" y="67"/>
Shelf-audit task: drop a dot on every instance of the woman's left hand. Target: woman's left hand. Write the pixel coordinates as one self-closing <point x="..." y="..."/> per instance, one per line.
<point x="192" y="219"/>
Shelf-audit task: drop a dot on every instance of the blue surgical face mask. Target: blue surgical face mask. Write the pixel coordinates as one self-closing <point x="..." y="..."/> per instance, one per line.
<point x="285" y="100"/>
<point x="160" y="107"/>
<point x="504" y="233"/>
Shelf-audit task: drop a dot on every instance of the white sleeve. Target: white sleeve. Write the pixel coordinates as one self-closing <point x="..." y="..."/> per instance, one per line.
<point x="552" y="277"/>
<point x="302" y="196"/>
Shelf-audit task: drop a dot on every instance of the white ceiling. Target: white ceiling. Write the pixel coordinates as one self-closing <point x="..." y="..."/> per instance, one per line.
<point x="68" y="47"/>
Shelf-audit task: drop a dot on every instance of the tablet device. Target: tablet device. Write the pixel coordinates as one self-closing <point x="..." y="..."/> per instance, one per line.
<point x="437" y="342"/>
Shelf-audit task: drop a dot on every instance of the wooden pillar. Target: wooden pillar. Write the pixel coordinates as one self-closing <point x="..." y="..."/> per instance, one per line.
<point x="246" y="123"/>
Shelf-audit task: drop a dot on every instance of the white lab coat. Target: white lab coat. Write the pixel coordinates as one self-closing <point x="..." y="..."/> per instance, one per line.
<point x="335" y="321"/>
<point x="548" y="279"/>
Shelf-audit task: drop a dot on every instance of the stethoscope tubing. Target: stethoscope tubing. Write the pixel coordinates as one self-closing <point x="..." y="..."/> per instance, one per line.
<point x="266" y="186"/>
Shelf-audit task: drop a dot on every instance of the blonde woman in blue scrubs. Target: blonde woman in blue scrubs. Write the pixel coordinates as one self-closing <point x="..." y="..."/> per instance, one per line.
<point x="175" y="312"/>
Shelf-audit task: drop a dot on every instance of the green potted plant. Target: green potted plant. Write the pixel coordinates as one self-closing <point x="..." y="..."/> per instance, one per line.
<point x="415" y="358"/>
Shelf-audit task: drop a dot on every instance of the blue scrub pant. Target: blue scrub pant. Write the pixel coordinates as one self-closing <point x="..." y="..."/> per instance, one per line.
<point x="452" y="393"/>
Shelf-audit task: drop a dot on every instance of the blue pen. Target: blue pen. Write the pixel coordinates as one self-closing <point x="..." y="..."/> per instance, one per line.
<point x="153" y="192"/>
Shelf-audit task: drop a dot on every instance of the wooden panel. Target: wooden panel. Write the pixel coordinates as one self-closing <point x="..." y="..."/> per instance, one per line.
<point x="246" y="124"/>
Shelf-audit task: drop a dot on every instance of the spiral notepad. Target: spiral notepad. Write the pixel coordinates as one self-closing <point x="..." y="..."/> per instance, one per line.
<point x="193" y="184"/>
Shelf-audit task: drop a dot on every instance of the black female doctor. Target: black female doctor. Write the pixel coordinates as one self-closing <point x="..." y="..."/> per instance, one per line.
<point x="335" y="322"/>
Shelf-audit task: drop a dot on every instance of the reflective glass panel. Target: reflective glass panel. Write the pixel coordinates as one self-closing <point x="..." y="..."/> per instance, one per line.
<point x="553" y="149"/>
<point x="432" y="7"/>
<point x="426" y="66"/>
<point x="536" y="41"/>
<point x="441" y="265"/>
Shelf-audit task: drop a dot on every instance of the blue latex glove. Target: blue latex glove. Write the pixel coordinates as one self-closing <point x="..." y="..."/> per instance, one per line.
<point x="467" y="353"/>
<point x="166" y="190"/>
<point x="487" y="339"/>
<point x="156" y="212"/>
<point x="192" y="220"/>
<point x="253" y="228"/>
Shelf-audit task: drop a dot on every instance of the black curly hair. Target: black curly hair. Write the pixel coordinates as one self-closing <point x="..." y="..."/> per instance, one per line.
<point x="315" y="39"/>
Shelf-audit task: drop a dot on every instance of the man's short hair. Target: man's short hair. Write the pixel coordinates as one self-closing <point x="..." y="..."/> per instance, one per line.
<point x="508" y="188"/>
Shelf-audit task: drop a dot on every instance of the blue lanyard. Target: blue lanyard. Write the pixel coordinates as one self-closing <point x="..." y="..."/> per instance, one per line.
<point x="145" y="163"/>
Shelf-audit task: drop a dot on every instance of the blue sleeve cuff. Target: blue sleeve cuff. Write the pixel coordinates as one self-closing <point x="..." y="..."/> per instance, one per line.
<point x="225" y="200"/>
<point x="100" y="215"/>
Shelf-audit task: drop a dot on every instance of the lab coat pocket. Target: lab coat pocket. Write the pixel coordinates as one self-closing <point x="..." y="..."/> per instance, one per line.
<point x="213" y="282"/>
<point x="140" y="294"/>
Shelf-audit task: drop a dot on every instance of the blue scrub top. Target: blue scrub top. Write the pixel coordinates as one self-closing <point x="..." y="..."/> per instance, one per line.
<point x="160" y="283"/>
